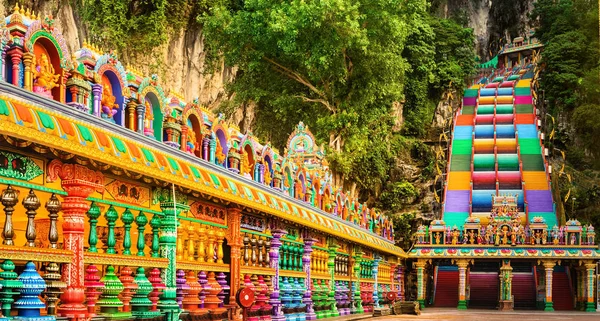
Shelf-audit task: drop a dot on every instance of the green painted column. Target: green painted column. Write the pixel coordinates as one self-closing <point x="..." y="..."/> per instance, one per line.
<point x="167" y="247"/>
<point x="420" y="282"/>
<point x="356" y="283"/>
<point x="331" y="266"/>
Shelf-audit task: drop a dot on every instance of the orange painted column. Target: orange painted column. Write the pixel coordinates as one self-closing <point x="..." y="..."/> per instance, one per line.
<point x="79" y="182"/>
<point x="234" y="240"/>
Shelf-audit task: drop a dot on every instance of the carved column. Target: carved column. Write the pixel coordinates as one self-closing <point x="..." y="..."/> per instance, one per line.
<point x="307" y="300"/>
<point x="375" y="277"/>
<point x="79" y="182"/>
<point x="27" y="62"/>
<point x="590" y="305"/>
<point x="549" y="268"/>
<point x="97" y="92"/>
<point x="331" y="268"/>
<point x="462" y="283"/>
<point x="167" y="244"/>
<point x="130" y="114"/>
<point x="400" y="278"/>
<point x="356" y="259"/>
<point x="274" y="259"/>
<point x="15" y="57"/>
<point x="140" y="109"/>
<point x="420" y="264"/>
<point x="183" y="145"/>
<point x="234" y="240"/>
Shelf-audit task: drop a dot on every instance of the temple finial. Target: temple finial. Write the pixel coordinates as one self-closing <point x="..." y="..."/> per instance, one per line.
<point x="16" y="8"/>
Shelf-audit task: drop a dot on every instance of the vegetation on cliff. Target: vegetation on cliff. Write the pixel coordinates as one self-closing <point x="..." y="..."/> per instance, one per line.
<point x="571" y="86"/>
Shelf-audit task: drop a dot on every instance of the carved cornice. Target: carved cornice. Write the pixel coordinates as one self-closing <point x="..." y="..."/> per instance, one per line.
<point x="21" y="253"/>
<point x="125" y="260"/>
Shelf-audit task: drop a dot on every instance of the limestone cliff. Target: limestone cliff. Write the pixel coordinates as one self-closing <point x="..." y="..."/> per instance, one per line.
<point x="179" y="62"/>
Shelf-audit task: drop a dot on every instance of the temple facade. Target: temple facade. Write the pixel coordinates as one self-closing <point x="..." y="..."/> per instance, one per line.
<point x="121" y="200"/>
<point x="499" y="242"/>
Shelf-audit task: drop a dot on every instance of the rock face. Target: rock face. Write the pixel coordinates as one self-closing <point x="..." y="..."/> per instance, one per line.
<point x="491" y="20"/>
<point x="179" y="62"/>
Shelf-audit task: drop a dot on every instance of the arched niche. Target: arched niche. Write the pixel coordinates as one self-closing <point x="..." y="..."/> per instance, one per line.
<point x="247" y="149"/>
<point x="222" y="147"/>
<point x="153" y="105"/>
<point x="268" y="162"/>
<point x="326" y="199"/>
<point x="193" y="119"/>
<point x="288" y="179"/>
<point x="43" y="40"/>
<point x="153" y="97"/>
<point x="113" y="76"/>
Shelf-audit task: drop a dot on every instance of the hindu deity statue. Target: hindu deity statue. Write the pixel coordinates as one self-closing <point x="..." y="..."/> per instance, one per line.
<point x="326" y="202"/>
<point x="555" y="235"/>
<point x="438" y="238"/>
<point x="45" y="78"/>
<point x="109" y="107"/>
<point x="591" y="235"/>
<point x="267" y="175"/>
<point x="148" y="118"/>
<point x="455" y="235"/>
<point x="191" y="141"/>
<point x="245" y="167"/>
<point x="544" y="237"/>
<point x="219" y="155"/>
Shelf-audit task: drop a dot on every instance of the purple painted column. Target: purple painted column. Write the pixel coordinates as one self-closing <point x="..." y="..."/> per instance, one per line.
<point x="205" y="148"/>
<point x="277" y="312"/>
<point x="400" y="278"/>
<point x="310" y="312"/>
<point x="97" y="92"/>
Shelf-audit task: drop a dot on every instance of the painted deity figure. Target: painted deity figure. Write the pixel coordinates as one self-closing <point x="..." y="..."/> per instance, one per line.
<point x="148" y="119"/>
<point x="555" y="235"/>
<point x="44" y="75"/>
<point x="438" y="237"/>
<point x="191" y="141"/>
<point x="267" y="176"/>
<point x="219" y="155"/>
<point x="245" y="167"/>
<point x="573" y="239"/>
<point x="471" y="237"/>
<point x="505" y="234"/>
<point x="544" y="237"/>
<point x="109" y="107"/>
<point x="591" y="235"/>
<point x="455" y="234"/>
<point x="326" y="202"/>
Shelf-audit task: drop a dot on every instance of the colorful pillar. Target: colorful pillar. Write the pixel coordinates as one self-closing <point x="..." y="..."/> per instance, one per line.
<point x="549" y="268"/>
<point x="462" y="283"/>
<point x="400" y="278"/>
<point x="590" y="306"/>
<point x="274" y="300"/>
<point x="234" y="240"/>
<point x="140" y="111"/>
<point x="375" y="277"/>
<point x="357" y="257"/>
<point x="15" y="57"/>
<point x="307" y="299"/>
<point x="420" y="264"/>
<point x="331" y="268"/>
<point x="79" y="182"/>
<point x="97" y="95"/>
<point x="506" y="300"/>
<point x="167" y="240"/>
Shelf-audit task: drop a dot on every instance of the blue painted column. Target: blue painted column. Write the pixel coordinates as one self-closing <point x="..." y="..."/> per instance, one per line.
<point x="375" y="285"/>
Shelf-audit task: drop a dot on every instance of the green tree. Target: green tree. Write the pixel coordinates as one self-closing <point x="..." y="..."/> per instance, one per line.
<point x="339" y="62"/>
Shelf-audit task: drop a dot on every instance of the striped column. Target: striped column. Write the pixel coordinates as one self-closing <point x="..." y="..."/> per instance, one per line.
<point x="420" y="264"/>
<point x="549" y="267"/>
<point x="590" y="304"/>
<point x="462" y="283"/>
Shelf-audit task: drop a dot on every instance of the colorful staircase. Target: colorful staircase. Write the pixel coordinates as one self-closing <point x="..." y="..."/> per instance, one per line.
<point x="562" y="293"/>
<point x="446" y="287"/>
<point x="484" y="290"/>
<point x="496" y="150"/>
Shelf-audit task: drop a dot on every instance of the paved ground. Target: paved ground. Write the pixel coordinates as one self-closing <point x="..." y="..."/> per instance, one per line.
<point x="492" y="315"/>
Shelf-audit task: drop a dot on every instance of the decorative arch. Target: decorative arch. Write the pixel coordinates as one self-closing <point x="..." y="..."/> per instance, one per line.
<point x="288" y="178"/>
<point x="114" y="76"/>
<point x="269" y="163"/>
<point x="247" y="148"/>
<point x="41" y="39"/>
<point x="192" y="117"/>
<point x="220" y="131"/>
<point x="326" y="199"/>
<point x="153" y="97"/>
